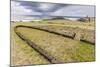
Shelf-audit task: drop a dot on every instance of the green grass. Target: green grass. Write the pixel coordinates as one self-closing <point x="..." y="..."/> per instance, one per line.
<point x="71" y="23"/>
<point x="64" y="49"/>
<point x="87" y="25"/>
<point x="85" y="52"/>
<point x="22" y="54"/>
<point x="87" y="34"/>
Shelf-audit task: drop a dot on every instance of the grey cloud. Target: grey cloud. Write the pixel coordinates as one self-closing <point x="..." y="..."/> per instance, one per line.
<point x="35" y="6"/>
<point x="52" y="10"/>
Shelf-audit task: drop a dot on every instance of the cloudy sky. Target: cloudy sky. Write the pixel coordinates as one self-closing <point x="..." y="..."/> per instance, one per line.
<point x="29" y="10"/>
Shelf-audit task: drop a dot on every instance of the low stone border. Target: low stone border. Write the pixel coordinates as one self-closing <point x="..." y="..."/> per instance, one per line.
<point x="46" y="55"/>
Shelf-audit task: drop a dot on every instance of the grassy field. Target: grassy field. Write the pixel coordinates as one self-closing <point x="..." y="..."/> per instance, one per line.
<point x="64" y="49"/>
<point x="22" y="54"/>
<point x="87" y="25"/>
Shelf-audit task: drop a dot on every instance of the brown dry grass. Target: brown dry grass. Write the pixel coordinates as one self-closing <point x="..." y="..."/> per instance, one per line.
<point x="59" y="47"/>
<point x="22" y="54"/>
<point x="66" y="50"/>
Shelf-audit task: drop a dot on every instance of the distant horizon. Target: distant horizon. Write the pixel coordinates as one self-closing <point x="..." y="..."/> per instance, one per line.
<point x="49" y="19"/>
